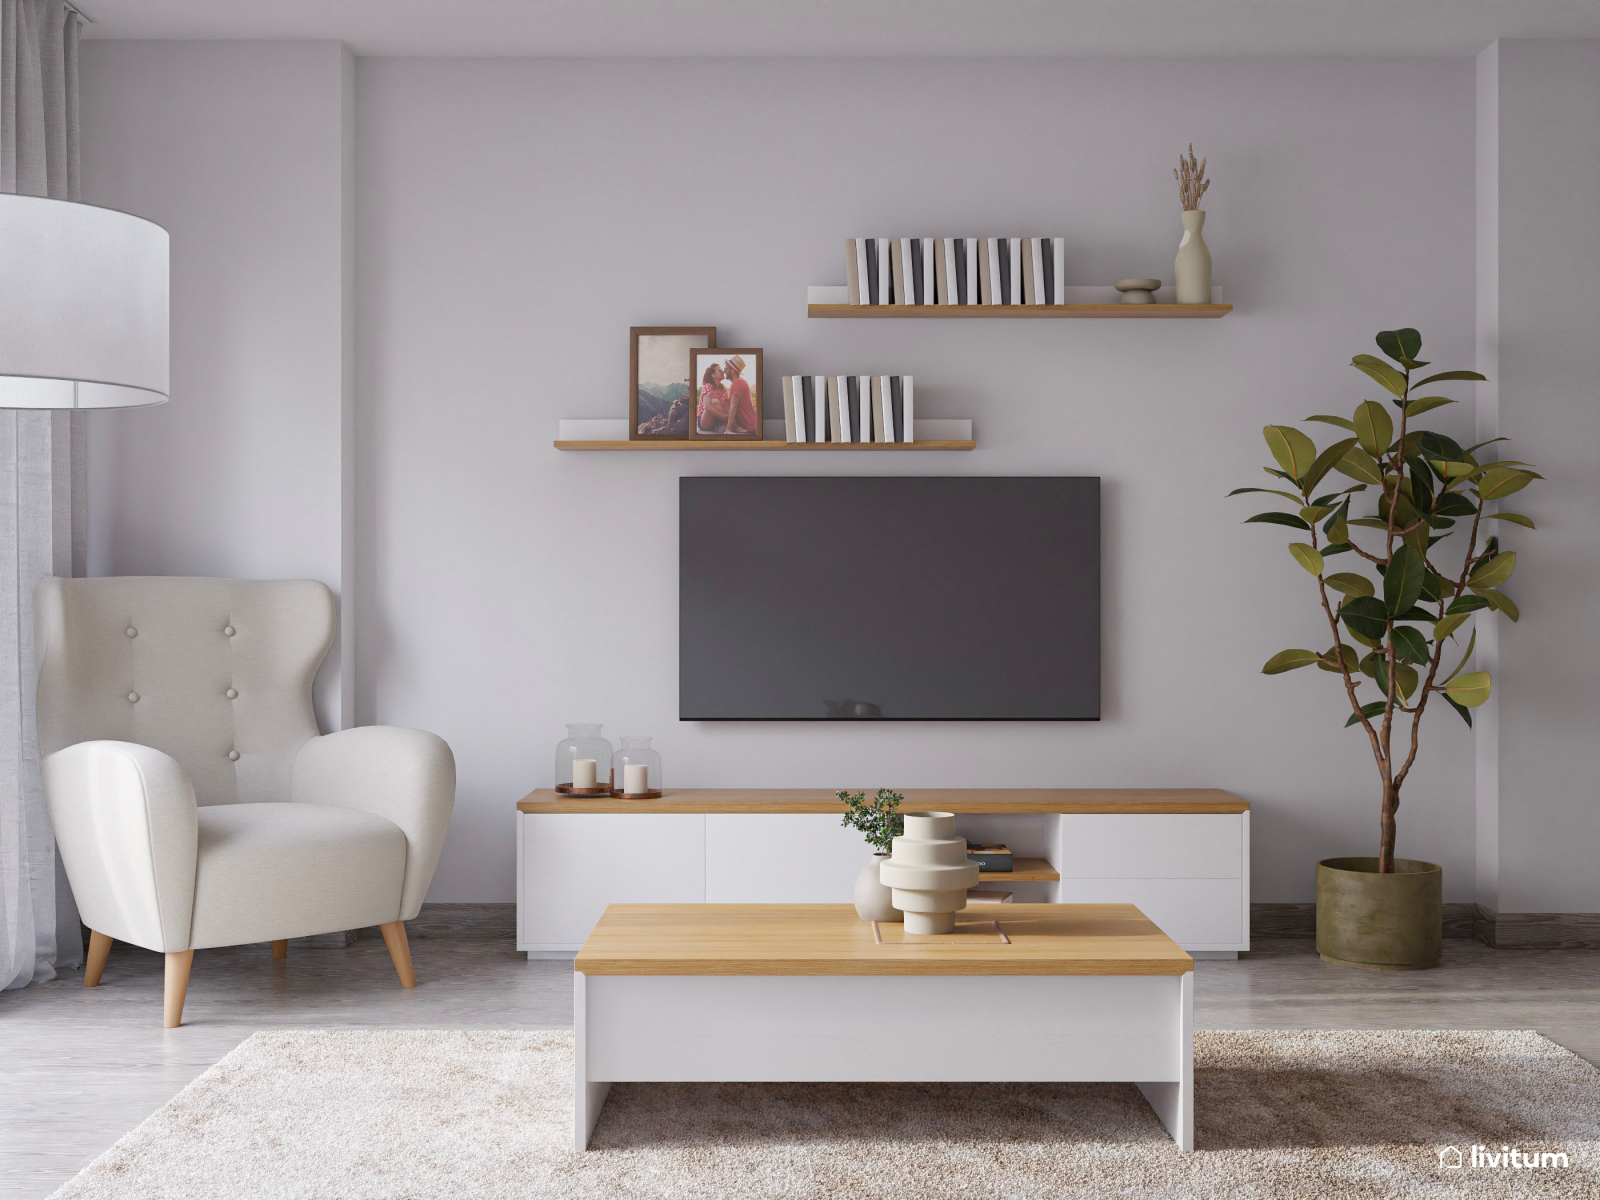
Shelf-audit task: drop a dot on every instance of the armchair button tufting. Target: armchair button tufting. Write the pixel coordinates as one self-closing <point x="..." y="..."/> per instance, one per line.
<point x="233" y="755"/>
<point x="228" y="629"/>
<point x="231" y="694"/>
<point x="132" y="632"/>
<point x="133" y="697"/>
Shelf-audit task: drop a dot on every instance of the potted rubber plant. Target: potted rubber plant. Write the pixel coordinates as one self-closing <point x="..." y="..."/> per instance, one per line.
<point x="1401" y="560"/>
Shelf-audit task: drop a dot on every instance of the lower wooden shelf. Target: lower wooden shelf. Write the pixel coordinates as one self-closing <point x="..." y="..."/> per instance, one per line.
<point x="734" y="447"/>
<point x="1023" y="870"/>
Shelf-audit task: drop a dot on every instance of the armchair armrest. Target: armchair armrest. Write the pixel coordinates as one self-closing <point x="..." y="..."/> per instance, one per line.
<point x="405" y="775"/>
<point x="125" y="823"/>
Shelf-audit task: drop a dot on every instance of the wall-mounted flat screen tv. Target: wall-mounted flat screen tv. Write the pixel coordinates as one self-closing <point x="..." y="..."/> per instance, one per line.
<point x="896" y="599"/>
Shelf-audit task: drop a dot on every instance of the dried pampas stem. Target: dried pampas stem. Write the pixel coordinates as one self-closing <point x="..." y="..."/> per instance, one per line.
<point x="1192" y="181"/>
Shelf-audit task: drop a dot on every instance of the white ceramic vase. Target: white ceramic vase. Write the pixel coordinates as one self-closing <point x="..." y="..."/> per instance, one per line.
<point x="874" y="901"/>
<point x="1192" y="269"/>
<point x="929" y="872"/>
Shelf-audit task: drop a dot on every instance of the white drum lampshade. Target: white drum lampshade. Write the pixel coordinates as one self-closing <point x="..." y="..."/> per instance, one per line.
<point x="83" y="306"/>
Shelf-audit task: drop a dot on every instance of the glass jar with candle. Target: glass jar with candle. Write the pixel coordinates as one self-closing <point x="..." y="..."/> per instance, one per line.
<point x="583" y="742"/>
<point x="636" y="769"/>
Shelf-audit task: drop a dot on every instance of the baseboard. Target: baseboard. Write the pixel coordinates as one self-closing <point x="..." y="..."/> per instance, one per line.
<point x="1300" y="920"/>
<point x="1549" y="931"/>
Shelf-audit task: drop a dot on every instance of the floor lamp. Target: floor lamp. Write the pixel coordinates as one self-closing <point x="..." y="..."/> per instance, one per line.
<point x="83" y="306"/>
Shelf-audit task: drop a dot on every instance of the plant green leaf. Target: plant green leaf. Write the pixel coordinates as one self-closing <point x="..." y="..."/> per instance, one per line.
<point x="1409" y="644"/>
<point x="1469" y="690"/>
<point x="1490" y="442"/>
<point x="1514" y="518"/>
<point x="1402" y="580"/>
<point x="1369" y="522"/>
<point x="1422" y="404"/>
<point x="1447" y="625"/>
<point x="1500" y="602"/>
<point x="1307" y="557"/>
<point x="1498" y="482"/>
<point x="1360" y="466"/>
<point x="1402" y="345"/>
<point x="1289" y="660"/>
<point x="1466" y="604"/>
<point x="1376" y="368"/>
<point x="1454" y="504"/>
<point x="1330" y="661"/>
<point x="1324" y="463"/>
<point x="1366" y="617"/>
<point x="1269" y="491"/>
<point x="1414" y="613"/>
<point x="1350" y="584"/>
<point x="1466" y="714"/>
<point x="1294" y="451"/>
<point x="1341" y="422"/>
<point x="1452" y="470"/>
<point x="1277" y="518"/>
<point x="1465" y="658"/>
<point x="1313" y="513"/>
<point x="1373" y="708"/>
<point x="1493" y="572"/>
<point x="1405" y="680"/>
<point x="1443" y="375"/>
<point x="1374" y="428"/>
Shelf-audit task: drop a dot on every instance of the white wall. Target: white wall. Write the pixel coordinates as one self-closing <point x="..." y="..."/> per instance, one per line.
<point x="515" y="217"/>
<point x="239" y="149"/>
<point x="1539" y="309"/>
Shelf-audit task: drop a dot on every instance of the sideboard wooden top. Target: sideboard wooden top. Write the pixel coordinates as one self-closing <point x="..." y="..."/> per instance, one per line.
<point x="957" y="800"/>
<point x="829" y="939"/>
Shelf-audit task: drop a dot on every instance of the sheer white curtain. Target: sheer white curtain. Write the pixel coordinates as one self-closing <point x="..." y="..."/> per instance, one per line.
<point x="42" y="502"/>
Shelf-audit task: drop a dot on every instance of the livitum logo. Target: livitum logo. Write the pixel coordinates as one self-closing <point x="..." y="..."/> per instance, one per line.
<point x="1508" y="1158"/>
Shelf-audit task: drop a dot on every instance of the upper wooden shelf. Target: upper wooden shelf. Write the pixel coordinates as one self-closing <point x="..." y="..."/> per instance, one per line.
<point x="936" y="311"/>
<point x="769" y="444"/>
<point x="957" y="800"/>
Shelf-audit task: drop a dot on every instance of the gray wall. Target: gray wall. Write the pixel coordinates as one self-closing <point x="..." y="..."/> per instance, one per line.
<point x="1538" y="313"/>
<point x="515" y="217"/>
<point x="239" y="149"/>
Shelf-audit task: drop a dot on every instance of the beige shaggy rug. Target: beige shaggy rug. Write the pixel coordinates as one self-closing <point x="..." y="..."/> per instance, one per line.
<point x="402" y="1114"/>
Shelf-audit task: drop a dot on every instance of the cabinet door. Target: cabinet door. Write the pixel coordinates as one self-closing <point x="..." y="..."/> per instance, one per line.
<point x="574" y="864"/>
<point x="1198" y="914"/>
<point x="782" y="858"/>
<point x="1151" y="846"/>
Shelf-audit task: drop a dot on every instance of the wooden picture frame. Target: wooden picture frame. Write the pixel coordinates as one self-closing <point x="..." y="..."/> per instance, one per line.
<point x="743" y="363"/>
<point x="659" y="390"/>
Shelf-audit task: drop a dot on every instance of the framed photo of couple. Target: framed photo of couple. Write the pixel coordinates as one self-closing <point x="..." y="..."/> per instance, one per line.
<point x="727" y="396"/>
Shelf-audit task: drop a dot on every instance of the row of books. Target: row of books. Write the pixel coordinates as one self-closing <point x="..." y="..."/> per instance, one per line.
<point x="847" y="408"/>
<point x="956" y="270"/>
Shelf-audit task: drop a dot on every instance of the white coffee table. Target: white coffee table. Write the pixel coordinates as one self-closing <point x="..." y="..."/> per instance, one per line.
<point x="803" y="993"/>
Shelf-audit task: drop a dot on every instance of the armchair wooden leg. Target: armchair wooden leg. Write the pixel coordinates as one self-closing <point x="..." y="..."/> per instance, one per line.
<point x="280" y="948"/>
<point x="177" y="987"/>
<point x="394" y="936"/>
<point x="99" y="947"/>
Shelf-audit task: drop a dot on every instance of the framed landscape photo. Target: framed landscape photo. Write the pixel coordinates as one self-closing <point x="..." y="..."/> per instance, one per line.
<point x="727" y="394"/>
<point x="660" y="392"/>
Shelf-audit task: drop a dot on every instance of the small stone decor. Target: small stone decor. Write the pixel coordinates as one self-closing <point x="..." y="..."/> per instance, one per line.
<point x="1138" y="291"/>
<point x="929" y="872"/>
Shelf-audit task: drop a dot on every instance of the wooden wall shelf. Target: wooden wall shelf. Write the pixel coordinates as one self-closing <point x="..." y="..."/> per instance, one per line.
<point x="957" y="800"/>
<point x="1023" y="870"/>
<point x="936" y="311"/>
<point x="769" y="444"/>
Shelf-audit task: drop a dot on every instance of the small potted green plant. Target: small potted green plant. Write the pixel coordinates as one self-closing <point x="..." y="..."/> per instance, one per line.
<point x="880" y="822"/>
<point x="1428" y="565"/>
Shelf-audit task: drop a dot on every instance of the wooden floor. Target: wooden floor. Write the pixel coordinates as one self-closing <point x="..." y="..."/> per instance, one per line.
<point x="78" y="1068"/>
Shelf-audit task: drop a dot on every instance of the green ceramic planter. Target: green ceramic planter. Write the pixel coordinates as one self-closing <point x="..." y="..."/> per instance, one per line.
<point x="1382" y="922"/>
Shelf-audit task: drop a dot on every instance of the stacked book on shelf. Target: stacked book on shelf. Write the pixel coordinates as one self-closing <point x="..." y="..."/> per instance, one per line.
<point x="847" y="408"/>
<point x="993" y="270"/>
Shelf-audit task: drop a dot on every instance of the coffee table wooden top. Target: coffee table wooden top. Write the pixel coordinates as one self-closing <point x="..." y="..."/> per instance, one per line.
<point x="829" y="939"/>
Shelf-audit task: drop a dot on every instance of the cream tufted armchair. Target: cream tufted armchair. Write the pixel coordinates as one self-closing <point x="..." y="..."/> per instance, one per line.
<point x="194" y="802"/>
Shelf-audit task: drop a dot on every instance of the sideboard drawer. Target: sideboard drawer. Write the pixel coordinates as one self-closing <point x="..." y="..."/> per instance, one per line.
<point x="1150" y="846"/>
<point x="1198" y="914"/>
<point x="571" y="865"/>
<point x="782" y="858"/>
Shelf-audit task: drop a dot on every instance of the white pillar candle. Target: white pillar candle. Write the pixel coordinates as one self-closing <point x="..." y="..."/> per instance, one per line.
<point x="635" y="779"/>
<point x="583" y="773"/>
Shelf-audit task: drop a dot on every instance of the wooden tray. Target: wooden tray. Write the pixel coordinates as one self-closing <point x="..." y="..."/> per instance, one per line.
<point x="566" y="789"/>
<point x="619" y="794"/>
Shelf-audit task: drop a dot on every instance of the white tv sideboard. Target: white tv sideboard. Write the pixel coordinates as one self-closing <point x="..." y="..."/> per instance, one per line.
<point x="1183" y="856"/>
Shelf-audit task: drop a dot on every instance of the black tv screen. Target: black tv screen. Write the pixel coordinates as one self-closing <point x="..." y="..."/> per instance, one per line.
<point x="897" y="599"/>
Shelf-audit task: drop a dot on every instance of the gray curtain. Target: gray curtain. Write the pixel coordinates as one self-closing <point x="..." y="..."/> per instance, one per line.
<point x="42" y="502"/>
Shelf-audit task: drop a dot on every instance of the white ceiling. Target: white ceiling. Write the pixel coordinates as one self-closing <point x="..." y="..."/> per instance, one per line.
<point x="798" y="28"/>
